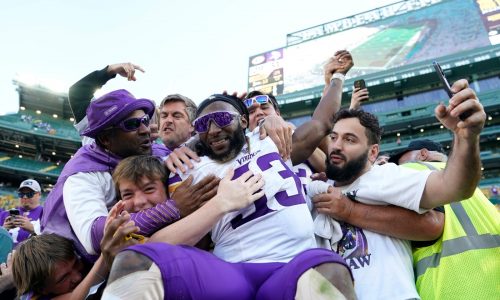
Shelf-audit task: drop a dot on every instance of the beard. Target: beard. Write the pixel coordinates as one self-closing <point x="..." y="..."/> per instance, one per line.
<point x="350" y="171"/>
<point x="236" y="143"/>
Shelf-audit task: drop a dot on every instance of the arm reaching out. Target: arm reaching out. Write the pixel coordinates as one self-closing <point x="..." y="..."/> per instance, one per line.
<point x="231" y="196"/>
<point x="309" y="135"/>
<point x="390" y="220"/>
<point x="83" y="90"/>
<point x="463" y="170"/>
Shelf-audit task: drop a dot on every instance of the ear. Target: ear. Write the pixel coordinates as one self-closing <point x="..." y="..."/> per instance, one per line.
<point x="373" y="153"/>
<point x="244" y="122"/>
<point x="423" y="154"/>
<point x="104" y="139"/>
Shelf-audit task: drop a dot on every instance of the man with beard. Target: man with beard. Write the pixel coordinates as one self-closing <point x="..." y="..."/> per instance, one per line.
<point x="78" y="205"/>
<point x="382" y="265"/>
<point x="263" y="251"/>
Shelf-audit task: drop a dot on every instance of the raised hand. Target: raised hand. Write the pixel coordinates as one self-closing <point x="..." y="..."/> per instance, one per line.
<point x="341" y="62"/>
<point x="358" y="96"/>
<point x="125" y="70"/>
<point x="464" y="115"/>
<point x="118" y="227"/>
<point x="241" y="96"/>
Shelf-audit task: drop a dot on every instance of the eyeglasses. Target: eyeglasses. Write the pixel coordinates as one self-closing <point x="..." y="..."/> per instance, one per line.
<point x="27" y="195"/>
<point x="133" y="123"/>
<point x="261" y="99"/>
<point x="220" y="118"/>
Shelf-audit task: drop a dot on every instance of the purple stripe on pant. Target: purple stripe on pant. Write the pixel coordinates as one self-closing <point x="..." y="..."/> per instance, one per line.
<point x="190" y="273"/>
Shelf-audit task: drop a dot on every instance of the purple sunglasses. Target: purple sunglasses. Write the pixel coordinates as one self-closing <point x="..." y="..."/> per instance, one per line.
<point x="133" y="123"/>
<point x="220" y="118"/>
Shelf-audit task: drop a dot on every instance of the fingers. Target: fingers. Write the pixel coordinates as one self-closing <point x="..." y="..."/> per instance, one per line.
<point x="249" y="177"/>
<point x="184" y="184"/>
<point x="242" y="95"/>
<point x="459" y="85"/>
<point x="462" y="95"/>
<point x="279" y="140"/>
<point x="440" y="111"/>
<point x="171" y="161"/>
<point x="137" y="67"/>
<point x="206" y="184"/>
<point x="256" y="183"/>
<point x="256" y="196"/>
<point x="471" y="114"/>
<point x="288" y="142"/>
<point x="209" y="190"/>
<point x="116" y="209"/>
<point x="10" y="257"/>
<point x="114" y="212"/>
<point x="181" y="158"/>
<point x="115" y="224"/>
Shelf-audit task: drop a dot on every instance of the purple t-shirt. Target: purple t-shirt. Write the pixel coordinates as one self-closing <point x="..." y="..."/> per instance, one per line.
<point x="19" y="234"/>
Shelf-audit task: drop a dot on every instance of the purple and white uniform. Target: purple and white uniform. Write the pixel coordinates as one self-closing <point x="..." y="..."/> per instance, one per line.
<point x="260" y="251"/>
<point x="19" y="234"/>
<point x="277" y="226"/>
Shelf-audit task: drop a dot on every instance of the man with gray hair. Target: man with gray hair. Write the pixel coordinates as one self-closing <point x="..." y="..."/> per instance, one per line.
<point x="177" y="112"/>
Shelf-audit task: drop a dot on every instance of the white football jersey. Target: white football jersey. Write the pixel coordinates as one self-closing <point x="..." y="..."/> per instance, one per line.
<point x="304" y="172"/>
<point x="276" y="227"/>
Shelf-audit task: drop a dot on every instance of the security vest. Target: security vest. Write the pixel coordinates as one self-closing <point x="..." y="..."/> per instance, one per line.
<point x="464" y="263"/>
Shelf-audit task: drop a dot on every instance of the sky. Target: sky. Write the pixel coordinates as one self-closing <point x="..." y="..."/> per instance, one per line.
<point x="195" y="48"/>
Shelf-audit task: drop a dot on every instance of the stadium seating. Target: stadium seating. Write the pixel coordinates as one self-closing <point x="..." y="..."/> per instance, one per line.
<point x="30" y="166"/>
<point x="30" y="122"/>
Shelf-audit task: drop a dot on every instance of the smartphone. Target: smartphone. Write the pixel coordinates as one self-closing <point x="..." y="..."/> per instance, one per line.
<point x="447" y="88"/>
<point x="14" y="212"/>
<point x="360" y="84"/>
<point x="443" y="79"/>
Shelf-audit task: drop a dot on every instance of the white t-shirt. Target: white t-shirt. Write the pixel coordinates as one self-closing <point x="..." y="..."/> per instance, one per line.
<point x="382" y="266"/>
<point x="276" y="227"/>
<point x="86" y="197"/>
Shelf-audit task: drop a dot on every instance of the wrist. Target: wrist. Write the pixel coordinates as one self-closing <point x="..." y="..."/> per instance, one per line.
<point x="220" y="206"/>
<point x="338" y="76"/>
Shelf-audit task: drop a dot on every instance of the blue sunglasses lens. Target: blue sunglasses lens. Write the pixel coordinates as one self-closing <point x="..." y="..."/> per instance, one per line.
<point x="28" y="194"/>
<point x="261" y="99"/>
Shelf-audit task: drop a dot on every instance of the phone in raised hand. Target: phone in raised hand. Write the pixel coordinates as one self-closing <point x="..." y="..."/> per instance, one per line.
<point x="447" y="87"/>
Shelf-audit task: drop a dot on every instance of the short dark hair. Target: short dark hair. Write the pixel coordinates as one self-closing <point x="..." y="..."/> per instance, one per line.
<point x="273" y="99"/>
<point x="233" y="100"/>
<point x="369" y="121"/>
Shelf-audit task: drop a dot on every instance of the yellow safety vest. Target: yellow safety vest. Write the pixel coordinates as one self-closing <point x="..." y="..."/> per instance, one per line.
<point x="464" y="263"/>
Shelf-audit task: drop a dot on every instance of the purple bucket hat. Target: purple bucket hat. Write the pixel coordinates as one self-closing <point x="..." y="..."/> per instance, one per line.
<point x="111" y="108"/>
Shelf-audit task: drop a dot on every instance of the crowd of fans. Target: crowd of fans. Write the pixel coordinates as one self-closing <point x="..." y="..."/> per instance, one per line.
<point x="226" y="200"/>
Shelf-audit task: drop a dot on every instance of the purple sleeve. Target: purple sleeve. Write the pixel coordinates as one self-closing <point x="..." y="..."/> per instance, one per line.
<point x="3" y="216"/>
<point x="149" y="221"/>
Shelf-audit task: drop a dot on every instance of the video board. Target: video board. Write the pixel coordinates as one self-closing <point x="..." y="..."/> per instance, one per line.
<point x="396" y="35"/>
